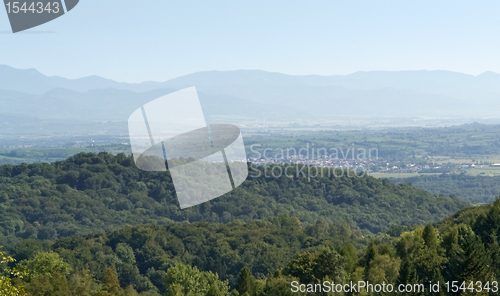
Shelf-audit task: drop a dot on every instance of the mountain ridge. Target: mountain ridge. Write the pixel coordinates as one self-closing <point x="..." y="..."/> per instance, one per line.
<point x="96" y="82"/>
<point x="258" y="96"/>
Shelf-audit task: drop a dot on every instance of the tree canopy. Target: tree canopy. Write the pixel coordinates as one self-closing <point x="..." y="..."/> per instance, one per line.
<point x="90" y="192"/>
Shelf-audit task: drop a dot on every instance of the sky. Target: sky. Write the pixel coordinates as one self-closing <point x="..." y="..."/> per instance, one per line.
<point x="135" y="41"/>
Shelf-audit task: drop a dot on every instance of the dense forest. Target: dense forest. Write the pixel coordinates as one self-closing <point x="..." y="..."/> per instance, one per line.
<point x="143" y="255"/>
<point x="88" y="193"/>
<point x="475" y="189"/>
<point x="459" y="255"/>
<point x="95" y="225"/>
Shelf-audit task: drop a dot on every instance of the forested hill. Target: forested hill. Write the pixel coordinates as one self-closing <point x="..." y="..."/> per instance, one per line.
<point x="143" y="254"/>
<point x="475" y="189"/>
<point x="93" y="192"/>
<point x="263" y="257"/>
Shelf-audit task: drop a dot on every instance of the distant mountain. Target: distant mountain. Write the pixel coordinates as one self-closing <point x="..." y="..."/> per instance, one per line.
<point x="63" y="110"/>
<point x="433" y="82"/>
<point x="256" y="95"/>
<point x="376" y="93"/>
<point x="445" y="83"/>
<point x="65" y="104"/>
<point x="33" y="82"/>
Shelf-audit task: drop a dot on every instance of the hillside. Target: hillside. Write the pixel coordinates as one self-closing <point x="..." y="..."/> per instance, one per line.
<point x="97" y="192"/>
<point x="474" y="189"/>
<point x="263" y="257"/>
<point x="143" y="254"/>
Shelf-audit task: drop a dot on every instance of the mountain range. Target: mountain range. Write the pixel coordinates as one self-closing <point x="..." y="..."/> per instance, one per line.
<point x="252" y="95"/>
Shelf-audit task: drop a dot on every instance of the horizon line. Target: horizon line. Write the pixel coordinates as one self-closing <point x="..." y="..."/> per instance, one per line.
<point x="241" y="70"/>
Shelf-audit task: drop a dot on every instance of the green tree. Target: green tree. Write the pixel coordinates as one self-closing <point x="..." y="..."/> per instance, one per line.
<point x="351" y="258"/>
<point x="45" y="263"/>
<point x="130" y="291"/>
<point x="422" y="257"/>
<point x="186" y="280"/>
<point x="493" y="250"/>
<point x="384" y="269"/>
<point x="215" y="290"/>
<point x="279" y="284"/>
<point x="370" y="254"/>
<point x="468" y="257"/>
<point x="125" y="253"/>
<point x="83" y="284"/>
<point x="246" y="282"/>
<point x="111" y="285"/>
<point x="302" y="267"/>
<point x="53" y="284"/>
<point x="6" y="275"/>
<point x="430" y="236"/>
<point x="328" y="263"/>
<point x="314" y="267"/>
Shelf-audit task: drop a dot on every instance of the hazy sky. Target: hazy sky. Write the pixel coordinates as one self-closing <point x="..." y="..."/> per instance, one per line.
<point x="143" y="40"/>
